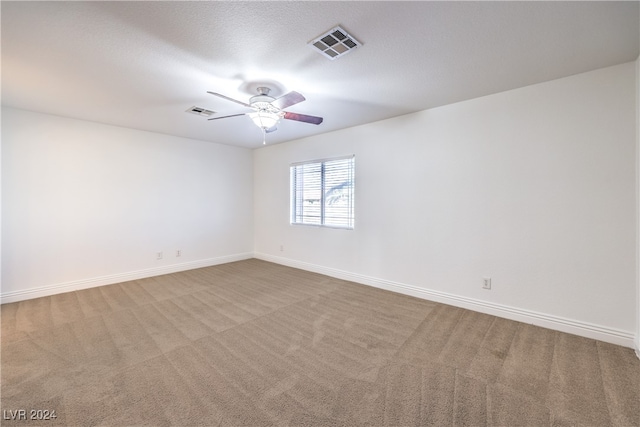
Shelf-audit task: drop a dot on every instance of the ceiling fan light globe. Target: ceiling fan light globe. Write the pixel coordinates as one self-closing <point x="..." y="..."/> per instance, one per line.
<point x="264" y="119"/>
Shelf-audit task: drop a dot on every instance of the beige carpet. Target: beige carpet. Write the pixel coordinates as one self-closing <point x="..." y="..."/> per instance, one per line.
<point x="254" y="344"/>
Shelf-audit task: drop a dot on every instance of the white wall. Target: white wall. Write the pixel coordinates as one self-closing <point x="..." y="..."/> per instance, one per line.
<point x="533" y="187"/>
<point x="86" y="204"/>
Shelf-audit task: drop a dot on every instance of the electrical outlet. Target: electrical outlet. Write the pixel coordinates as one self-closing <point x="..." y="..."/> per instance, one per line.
<point x="159" y="255"/>
<point x="179" y="252"/>
<point x="281" y="248"/>
<point x="486" y="283"/>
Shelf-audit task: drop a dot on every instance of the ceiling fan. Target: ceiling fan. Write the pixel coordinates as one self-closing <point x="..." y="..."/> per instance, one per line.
<point x="269" y="110"/>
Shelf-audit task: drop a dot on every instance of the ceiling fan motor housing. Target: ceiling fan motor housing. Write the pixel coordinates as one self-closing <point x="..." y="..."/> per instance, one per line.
<point x="263" y="101"/>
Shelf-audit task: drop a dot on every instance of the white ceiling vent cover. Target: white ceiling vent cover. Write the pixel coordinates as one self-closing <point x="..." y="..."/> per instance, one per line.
<point x="334" y="43"/>
<point x="200" y="111"/>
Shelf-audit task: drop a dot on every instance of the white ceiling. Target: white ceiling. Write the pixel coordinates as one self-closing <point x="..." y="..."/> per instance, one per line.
<point x="142" y="64"/>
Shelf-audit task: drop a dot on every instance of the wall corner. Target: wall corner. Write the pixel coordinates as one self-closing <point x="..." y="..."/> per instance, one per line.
<point x="637" y="93"/>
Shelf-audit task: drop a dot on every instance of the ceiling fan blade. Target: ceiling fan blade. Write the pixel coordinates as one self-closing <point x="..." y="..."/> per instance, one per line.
<point x="288" y="100"/>
<point x="224" y="117"/>
<point x="229" y="99"/>
<point x="303" y="118"/>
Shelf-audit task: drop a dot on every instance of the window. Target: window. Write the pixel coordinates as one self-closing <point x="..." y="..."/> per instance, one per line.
<point x="322" y="192"/>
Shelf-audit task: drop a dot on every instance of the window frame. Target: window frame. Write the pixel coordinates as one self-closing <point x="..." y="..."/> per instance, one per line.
<point x="293" y="193"/>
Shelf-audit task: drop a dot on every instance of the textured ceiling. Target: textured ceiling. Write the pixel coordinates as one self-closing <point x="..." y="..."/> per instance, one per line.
<point x="142" y="64"/>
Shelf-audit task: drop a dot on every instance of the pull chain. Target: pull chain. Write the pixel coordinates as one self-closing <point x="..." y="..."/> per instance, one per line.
<point x="264" y="137"/>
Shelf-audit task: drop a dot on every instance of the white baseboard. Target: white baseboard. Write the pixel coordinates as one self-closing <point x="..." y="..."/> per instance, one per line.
<point x="76" y="285"/>
<point x="588" y="330"/>
<point x="584" y="329"/>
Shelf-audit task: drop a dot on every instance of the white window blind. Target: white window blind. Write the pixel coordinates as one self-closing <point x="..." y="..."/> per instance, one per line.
<point x="322" y="192"/>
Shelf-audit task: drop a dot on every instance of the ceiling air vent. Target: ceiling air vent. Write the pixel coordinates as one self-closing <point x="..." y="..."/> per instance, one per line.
<point x="200" y="111"/>
<point x="334" y="43"/>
